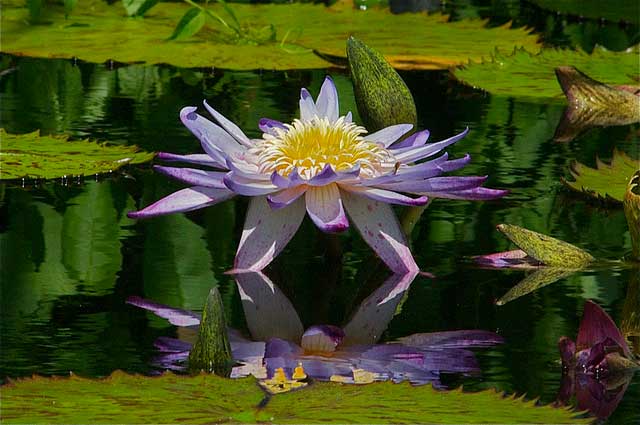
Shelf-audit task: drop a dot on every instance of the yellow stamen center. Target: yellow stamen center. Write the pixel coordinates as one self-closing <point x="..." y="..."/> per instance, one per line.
<point x="310" y="145"/>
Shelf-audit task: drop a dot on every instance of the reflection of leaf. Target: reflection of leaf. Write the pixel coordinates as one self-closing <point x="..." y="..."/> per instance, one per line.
<point x="90" y="245"/>
<point x="549" y="251"/>
<point x="615" y="11"/>
<point x="592" y="104"/>
<point x="606" y="181"/>
<point x="525" y="75"/>
<point x="631" y="205"/>
<point x="125" y="398"/>
<point x="47" y="157"/>
<point x="437" y="44"/>
<point x="543" y="276"/>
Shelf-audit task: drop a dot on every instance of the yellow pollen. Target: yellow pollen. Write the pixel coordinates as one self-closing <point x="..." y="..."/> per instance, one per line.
<point x="309" y="146"/>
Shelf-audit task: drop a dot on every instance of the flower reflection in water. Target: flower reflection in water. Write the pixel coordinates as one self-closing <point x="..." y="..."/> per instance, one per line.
<point x="348" y="354"/>
<point x="598" y="367"/>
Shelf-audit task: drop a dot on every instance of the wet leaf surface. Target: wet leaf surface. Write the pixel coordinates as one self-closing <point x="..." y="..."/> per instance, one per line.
<point x="46" y="157"/>
<point x="530" y="76"/>
<point x="170" y="398"/>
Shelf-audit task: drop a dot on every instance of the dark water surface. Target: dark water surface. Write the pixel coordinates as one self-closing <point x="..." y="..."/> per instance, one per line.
<point x="70" y="256"/>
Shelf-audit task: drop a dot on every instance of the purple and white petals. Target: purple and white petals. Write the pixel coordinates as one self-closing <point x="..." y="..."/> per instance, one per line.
<point x="325" y="208"/>
<point x="266" y="232"/>
<point x="322" y="338"/>
<point x="286" y="197"/>
<point x="175" y="316"/>
<point x="515" y="259"/>
<point x="379" y="227"/>
<point x="184" y="200"/>
<point x="327" y="102"/>
<point x="435" y="185"/>
<point x="268" y="126"/>
<point x="229" y="127"/>
<point x="412" y="154"/>
<point x="194" y="176"/>
<point x="328" y="176"/>
<point x="387" y="196"/>
<point x="248" y="187"/>
<point x="419" y="138"/>
<point x="308" y="109"/>
<point x="389" y="135"/>
<point x="214" y="140"/>
<point x="198" y="158"/>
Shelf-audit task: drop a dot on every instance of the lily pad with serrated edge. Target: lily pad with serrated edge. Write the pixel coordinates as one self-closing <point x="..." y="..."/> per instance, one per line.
<point x="615" y="11"/>
<point x="527" y="75"/>
<point x="606" y="181"/>
<point x="170" y="398"/>
<point x="31" y="155"/>
<point x="98" y="32"/>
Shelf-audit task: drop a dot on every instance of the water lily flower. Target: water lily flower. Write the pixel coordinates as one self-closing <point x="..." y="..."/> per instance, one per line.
<point x="598" y="366"/>
<point x="322" y="164"/>
<point x="351" y="354"/>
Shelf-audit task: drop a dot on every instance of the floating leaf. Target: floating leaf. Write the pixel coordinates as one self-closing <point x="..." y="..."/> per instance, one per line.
<point x="631" y="205"/>
<point x="526" y="75"/>
<point x="592" y="104"/>
<point x="169" y="398"/>
<point x="211" y="351"/>
<point x="615" y="11"/>
<point x="190" y="23"/>
<point x="48" y="157"/>
<point x="408" y="41"/>
<point x="606" y="181"/>
<point x="549" y="251"/>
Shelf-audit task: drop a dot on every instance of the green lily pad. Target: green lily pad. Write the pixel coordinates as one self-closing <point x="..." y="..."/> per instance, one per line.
<point x="549" y="251"/>
<point x="526" y="75"/>
<point x="47" y="157"/>
<point x="606" y="181"/>
<point x="615" y="11"/>
<point x="98" y="32"/>
<point x="631" y="205"/>
<point x="541" y="277"/>
<point x="123" y="398"/>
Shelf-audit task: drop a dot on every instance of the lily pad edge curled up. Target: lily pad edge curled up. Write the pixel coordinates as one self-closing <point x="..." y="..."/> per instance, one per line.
<point x="322" y="164"/>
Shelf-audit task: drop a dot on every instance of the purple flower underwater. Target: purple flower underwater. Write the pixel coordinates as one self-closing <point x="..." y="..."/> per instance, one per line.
<point x="598" y="366"/>
<point x="325" y="352"/>
<point x="323" y="164"/>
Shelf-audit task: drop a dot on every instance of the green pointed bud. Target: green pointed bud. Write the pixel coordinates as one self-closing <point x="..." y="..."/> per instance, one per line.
<point x="631" y="204"/>
<point x="549" y="251"/>
<point x="212" y="352"/>
<point x="382" y="97"/>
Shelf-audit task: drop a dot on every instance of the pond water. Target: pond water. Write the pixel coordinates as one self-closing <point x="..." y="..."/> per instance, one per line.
<point x="71" y="257"/>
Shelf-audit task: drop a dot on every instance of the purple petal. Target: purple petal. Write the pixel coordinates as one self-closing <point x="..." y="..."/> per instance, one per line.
<point x="327" y="102"/>
<point x="374" y="313"/>
<point x="175" y="316"/>
<point x="453" y="339"/>
<point x="516" y="259"/>
<point x="194" y="176"/>
<point x="411" y="172"/>
<point x="597" y="326"/>
<point x="285" y="197"/>
<point x="567" y="350"/>
<point x="308" y="110"/>
<point x="476" y="194"/>
<point x="229" y="127"/>
<point x="435" y="185"/>
<point x="600" y="397"/>
<point x="387" y="196"/>
<point x="214" y="140"/>
<point x="171" y="345"/>
<point x="268" y="312"/>
<point x="348" y="118"/>
<point x="248" y="187"/>
<point x="322" y="338"/>
<point x="379" y="227"/>
<point x="325" y="208"/>
<point x="184" y="200"/>
<point x="266" y="232"/>
<point x="417" y="139"/>
<point x="200" y="159"/>
<point x="268" y="125"/>
<point x="327" y="175"/>
<point x="414" y="154"/>
<point x="389" y="135"/>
